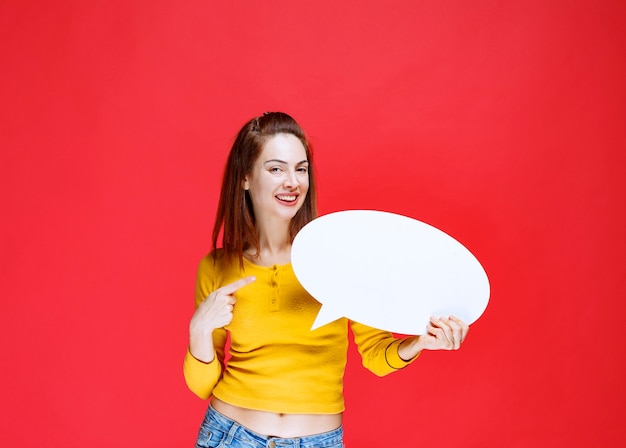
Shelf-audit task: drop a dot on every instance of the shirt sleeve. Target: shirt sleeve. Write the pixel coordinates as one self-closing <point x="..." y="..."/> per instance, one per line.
<point x="202" y="377"/>
<point x="378" y="349"/>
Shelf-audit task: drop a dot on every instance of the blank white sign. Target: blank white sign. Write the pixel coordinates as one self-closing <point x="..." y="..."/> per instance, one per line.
<point x="387" y="271"/>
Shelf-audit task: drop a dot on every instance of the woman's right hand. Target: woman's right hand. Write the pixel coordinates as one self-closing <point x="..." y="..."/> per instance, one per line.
<point x="214" y="312"/>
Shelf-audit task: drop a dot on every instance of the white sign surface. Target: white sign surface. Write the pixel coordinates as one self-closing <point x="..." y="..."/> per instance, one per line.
<point x="387" y="271"/>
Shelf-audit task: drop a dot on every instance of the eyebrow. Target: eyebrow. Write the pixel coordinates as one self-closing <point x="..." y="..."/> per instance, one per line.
<point x="283" y="162"/>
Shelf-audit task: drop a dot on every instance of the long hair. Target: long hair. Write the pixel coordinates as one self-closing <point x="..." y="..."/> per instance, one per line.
<point x="235" y="215"/>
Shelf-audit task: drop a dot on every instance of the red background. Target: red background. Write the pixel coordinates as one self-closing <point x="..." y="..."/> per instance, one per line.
<point x="501" y="123"/>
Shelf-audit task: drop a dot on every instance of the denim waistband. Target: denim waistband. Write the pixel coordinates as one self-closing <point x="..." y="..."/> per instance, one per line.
<point x="237" y="431"/>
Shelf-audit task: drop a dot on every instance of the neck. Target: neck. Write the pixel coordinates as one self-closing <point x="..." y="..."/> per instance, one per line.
<point x="274" y="243"/>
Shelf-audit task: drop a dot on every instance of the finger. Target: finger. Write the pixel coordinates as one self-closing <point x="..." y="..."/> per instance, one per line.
<point x="447" y="331"/>
<point x="434" y="327"/>
<point x="438" y="331"/>
<point x="234" y="286"/>
<point x="434" y="321"/>
<point x="439" y="323"/>
<point x="464" y="327"/>
<point x="225" y="302"/>
<point x="456" y="334"/>
<point x="225" y="299"/>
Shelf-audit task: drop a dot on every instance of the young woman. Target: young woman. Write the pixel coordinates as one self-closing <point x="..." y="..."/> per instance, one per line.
<point x="280" y="384"/>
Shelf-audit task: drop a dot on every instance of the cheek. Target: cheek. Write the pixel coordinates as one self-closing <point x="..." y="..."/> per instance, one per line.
<point x="256" y="197"/>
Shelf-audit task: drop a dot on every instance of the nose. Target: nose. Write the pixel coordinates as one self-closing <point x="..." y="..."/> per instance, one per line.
<point x="291" y="180"/>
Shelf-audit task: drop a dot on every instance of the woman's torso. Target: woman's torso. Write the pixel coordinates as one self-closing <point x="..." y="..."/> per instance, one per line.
<point x="279" y="314"/>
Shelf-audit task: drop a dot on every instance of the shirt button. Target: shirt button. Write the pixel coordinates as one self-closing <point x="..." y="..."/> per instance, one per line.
<point x="272" y="444"/>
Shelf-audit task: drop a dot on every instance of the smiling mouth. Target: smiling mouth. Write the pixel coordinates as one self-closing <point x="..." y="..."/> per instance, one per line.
<point x="286" y="197"/>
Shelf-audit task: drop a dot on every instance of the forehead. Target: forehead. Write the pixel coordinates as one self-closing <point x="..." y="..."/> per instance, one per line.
<point x="285" y="147"/>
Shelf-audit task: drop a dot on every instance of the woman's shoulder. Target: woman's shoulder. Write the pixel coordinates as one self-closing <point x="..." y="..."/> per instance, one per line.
<point x="213" y="271"/>
<point x="213" y="259"/>
<point x="217" y="261"/>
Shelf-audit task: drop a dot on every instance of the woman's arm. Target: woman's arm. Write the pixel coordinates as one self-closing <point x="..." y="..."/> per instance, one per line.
<point x="207" y="336"/>
<point x="378" y="349"/>
<point x="382" y="353"/>
<point x="201" y="377"/>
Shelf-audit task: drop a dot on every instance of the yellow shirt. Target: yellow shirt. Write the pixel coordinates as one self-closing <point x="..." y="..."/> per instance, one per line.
<point x="274" y="362"/>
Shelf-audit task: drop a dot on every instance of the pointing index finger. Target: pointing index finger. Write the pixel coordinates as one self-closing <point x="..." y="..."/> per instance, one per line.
<point x="234" y="286"/>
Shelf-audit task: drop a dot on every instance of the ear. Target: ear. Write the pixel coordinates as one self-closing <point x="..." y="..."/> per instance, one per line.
<point x="246" y="184"/>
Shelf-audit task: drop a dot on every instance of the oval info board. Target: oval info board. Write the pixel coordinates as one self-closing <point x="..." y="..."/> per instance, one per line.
<point x="387" y="271"/>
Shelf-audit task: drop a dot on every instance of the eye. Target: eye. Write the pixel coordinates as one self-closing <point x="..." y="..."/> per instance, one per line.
<point x="276" y="170"/>
<point x="303" y="169"/>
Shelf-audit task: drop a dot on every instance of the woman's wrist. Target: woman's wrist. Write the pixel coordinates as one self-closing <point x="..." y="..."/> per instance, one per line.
<point x="201" y="348"/>
<point x="410" y="348"/>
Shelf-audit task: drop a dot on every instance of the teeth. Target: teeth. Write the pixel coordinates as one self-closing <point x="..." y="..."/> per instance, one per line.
<point x="286" y="198"/>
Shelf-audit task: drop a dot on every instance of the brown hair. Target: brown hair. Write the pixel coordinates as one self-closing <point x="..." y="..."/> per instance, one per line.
<point x="235" y="215"/>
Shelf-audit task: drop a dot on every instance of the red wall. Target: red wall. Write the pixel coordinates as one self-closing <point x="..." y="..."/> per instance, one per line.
<point x="501" y="123"/>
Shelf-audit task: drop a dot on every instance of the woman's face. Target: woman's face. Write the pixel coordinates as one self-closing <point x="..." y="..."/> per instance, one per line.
<point x="279" y="180"/>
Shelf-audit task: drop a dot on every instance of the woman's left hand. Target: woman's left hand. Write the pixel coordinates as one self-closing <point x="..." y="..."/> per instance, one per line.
<point x="445" y="333"/>
<point x="442" y="333"/>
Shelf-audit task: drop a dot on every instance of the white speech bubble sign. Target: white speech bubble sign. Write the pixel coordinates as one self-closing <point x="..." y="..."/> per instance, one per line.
<point x="387" y="271"/>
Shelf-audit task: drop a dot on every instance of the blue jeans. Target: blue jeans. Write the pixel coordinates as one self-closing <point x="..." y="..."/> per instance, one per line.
<point x="217" y="430"/>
